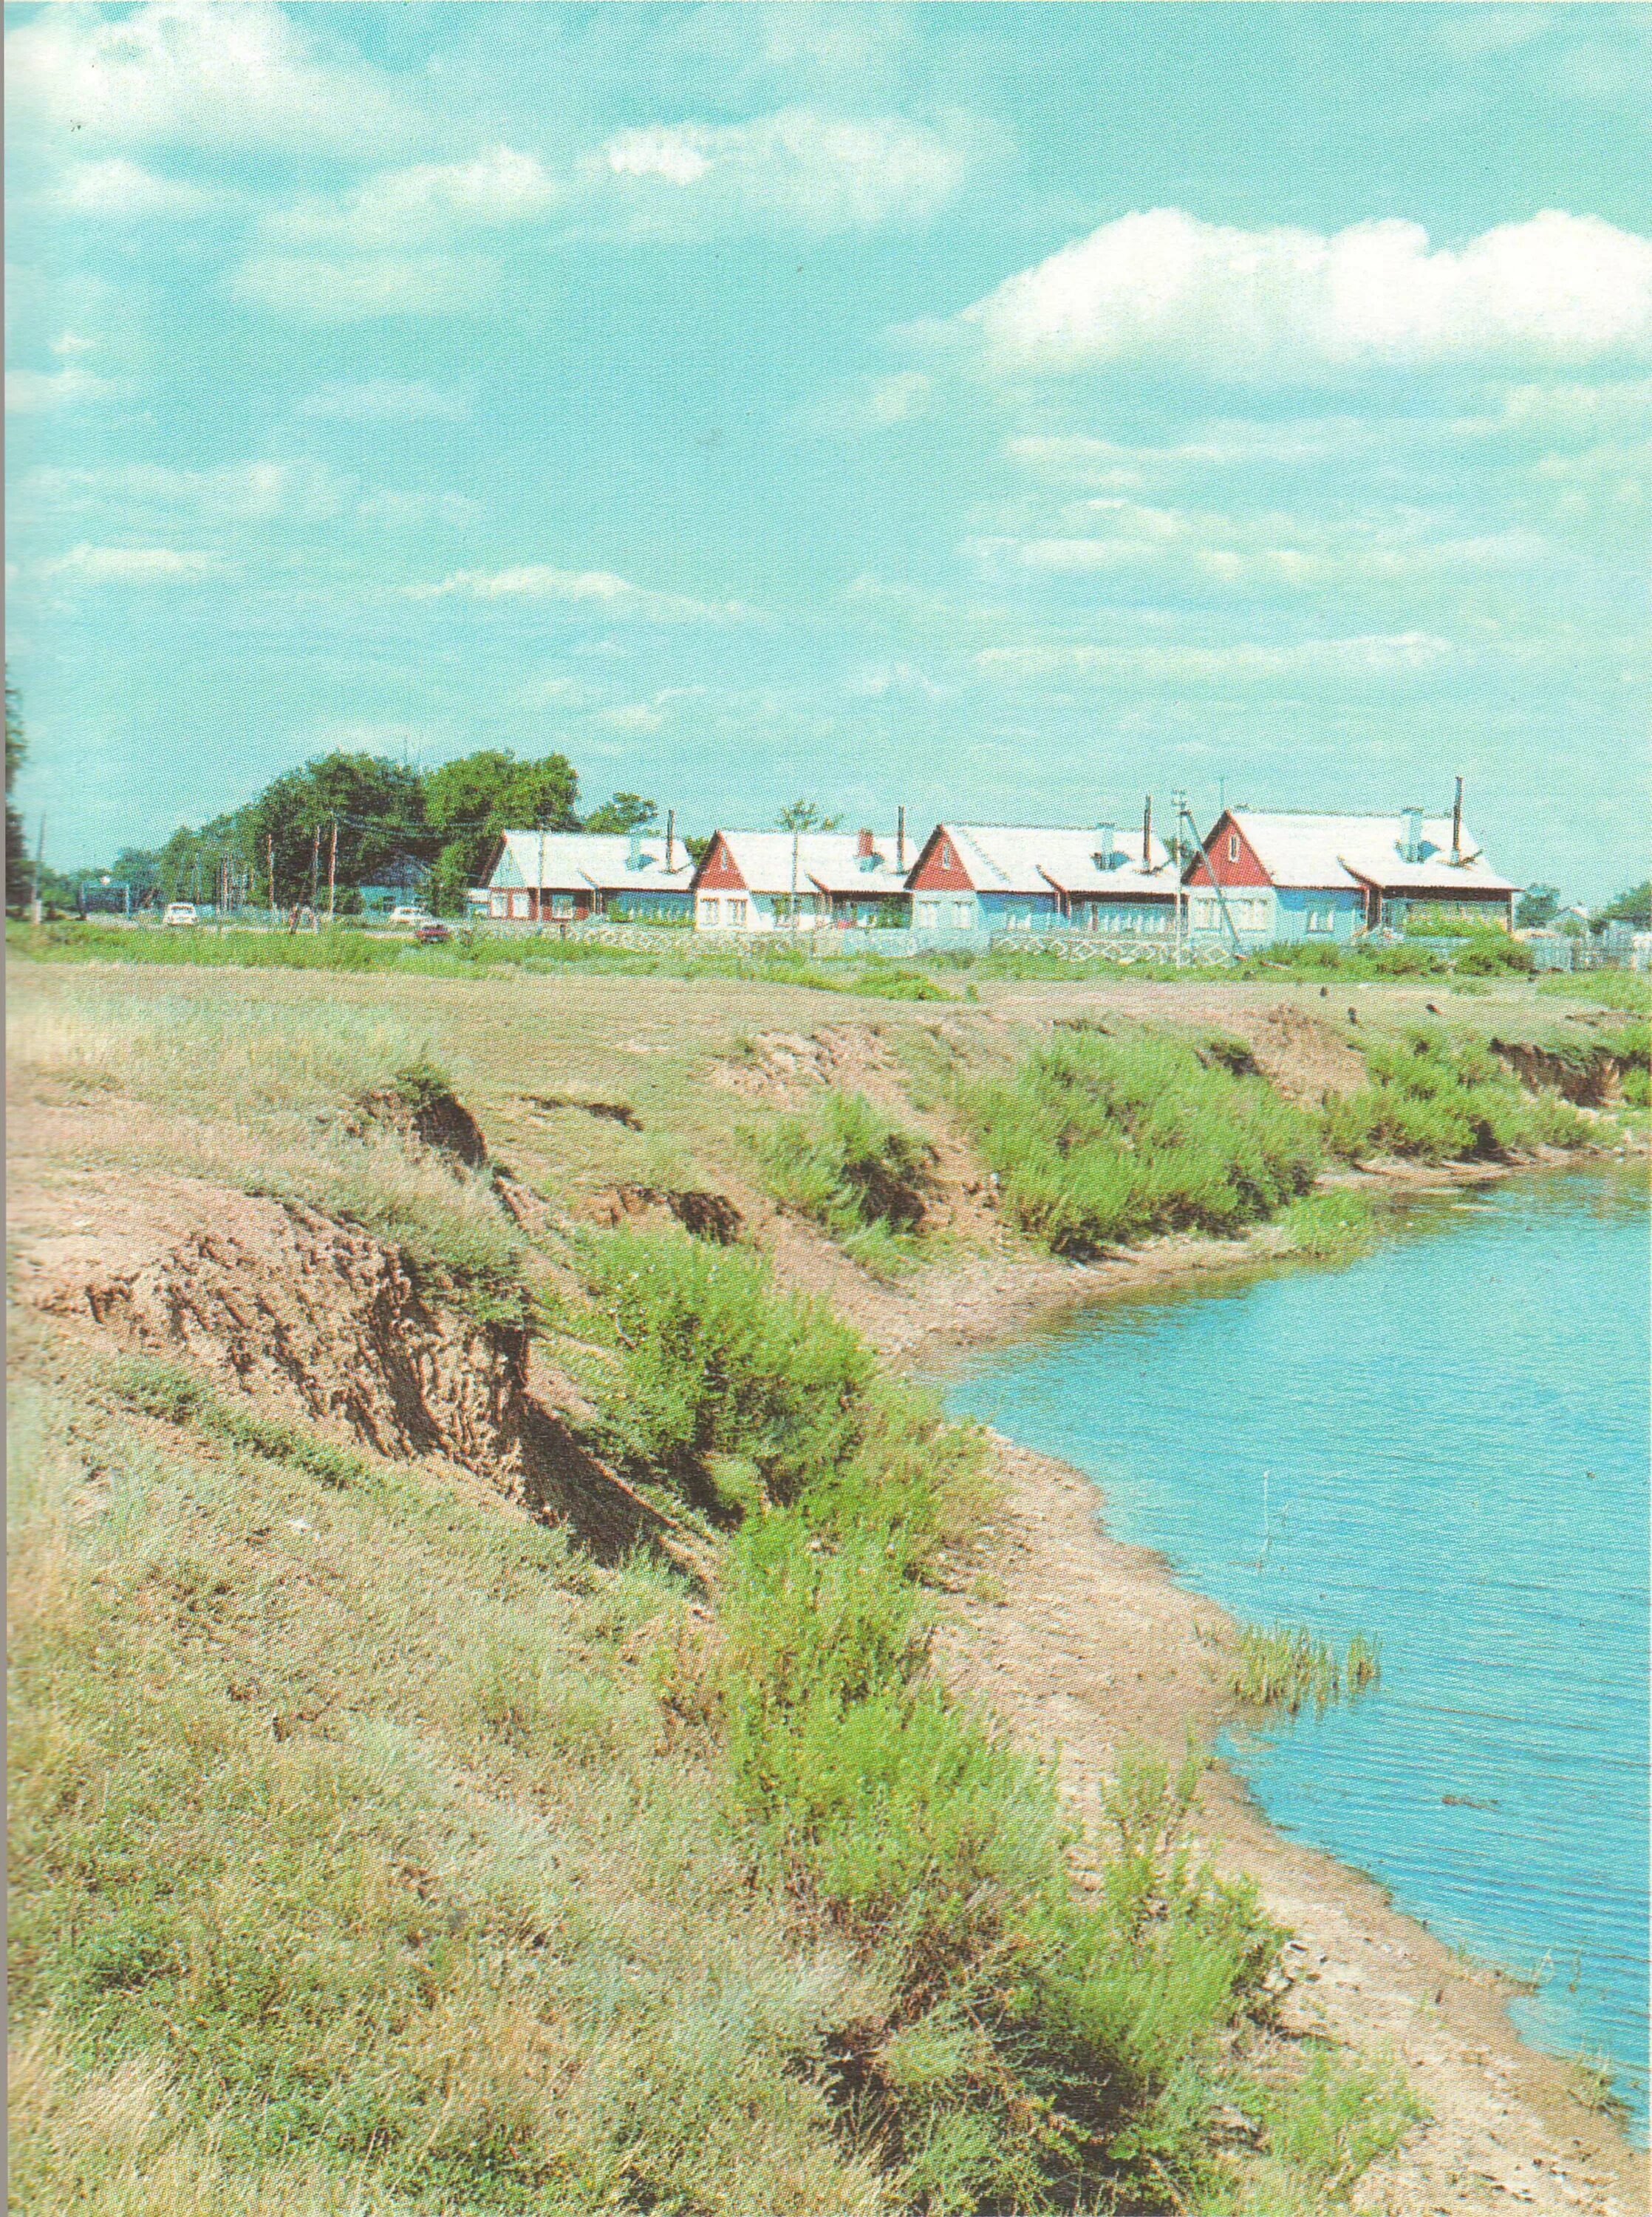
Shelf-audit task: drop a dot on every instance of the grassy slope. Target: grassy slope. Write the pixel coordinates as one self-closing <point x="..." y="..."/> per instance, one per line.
<point x="375" y="1851"/>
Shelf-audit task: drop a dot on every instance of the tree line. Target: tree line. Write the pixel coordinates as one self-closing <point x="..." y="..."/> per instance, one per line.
<point x="354" y="820"/>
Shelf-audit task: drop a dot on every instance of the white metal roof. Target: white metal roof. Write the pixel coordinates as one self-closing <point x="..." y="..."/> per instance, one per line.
<point x="1026" y="858"/>
<point x="577" y="861"/>
<point x="1324" y="852"/>
<point x="827" y="860"/>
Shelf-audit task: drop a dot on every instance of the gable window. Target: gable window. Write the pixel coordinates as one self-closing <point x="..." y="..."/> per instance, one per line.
<point x="1233" y="846"/>
<point x="945" y="856"/>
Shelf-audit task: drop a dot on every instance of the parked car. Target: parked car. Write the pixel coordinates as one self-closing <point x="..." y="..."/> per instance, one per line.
<point x="431" y="932"/>
<point x="181" y="912"/>
<point x="403" y="919"/>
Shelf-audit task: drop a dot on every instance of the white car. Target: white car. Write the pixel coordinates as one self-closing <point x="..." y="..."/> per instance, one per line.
<point x="180" y="912"/>
<point x="410" y="917"/>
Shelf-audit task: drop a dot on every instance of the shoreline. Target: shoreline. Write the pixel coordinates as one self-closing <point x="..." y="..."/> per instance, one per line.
<point x="1089" y="1643"/>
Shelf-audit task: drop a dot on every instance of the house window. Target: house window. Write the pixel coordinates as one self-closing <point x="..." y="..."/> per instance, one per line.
<point x="929" y="918"/>
<point x="1322" y="919"/>
<point x="496" y="904"/>
<point x="708" y="911"/>
<point x="562" y="905"/>
<point x="519" y="905"/>
<point x="963" y="914"/>
<point x="1233" y="846"/>
<point x="736" y="911"/>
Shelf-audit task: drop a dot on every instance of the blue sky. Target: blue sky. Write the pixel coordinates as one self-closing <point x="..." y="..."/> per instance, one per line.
<point x="1000" y="410"/>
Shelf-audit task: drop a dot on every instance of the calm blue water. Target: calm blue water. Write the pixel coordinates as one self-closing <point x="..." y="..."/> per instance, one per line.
<point x="1443" y="1444"/>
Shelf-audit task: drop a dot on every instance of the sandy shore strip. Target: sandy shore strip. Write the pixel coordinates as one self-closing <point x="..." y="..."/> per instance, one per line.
<point x="1087" y="1646"/>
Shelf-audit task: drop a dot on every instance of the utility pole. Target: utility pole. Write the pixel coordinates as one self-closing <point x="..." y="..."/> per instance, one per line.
<point x="332" y="873"/>
<point x="39" y="850"/>
<point x="315" y="874"/>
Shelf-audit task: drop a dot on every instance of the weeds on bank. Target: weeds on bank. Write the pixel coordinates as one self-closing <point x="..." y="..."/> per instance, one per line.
<point x="1329" y="1227"/>
<point x="169" y="1390"/>
<point x="1097" y="1140"/>
<point x="848" y="1169"/>
<point x="270" y="1108"/>
<point x="1284" y="1667"/>
<point x="1436" y="1099"/>
<point x="1629" y="989"/>
<point x="1034" y="2048"/>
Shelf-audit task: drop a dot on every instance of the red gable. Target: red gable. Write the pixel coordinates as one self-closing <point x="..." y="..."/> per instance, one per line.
<point x="718" y="870"/>
<point x="1233" y="859"/>
<point x="941" y="867"/>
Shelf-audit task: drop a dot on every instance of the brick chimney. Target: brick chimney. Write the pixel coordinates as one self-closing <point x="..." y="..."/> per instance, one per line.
<point x="864" y="846"/>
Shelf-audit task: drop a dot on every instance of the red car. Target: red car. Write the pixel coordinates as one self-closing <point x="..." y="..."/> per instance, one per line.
<point x="430" y="933"/>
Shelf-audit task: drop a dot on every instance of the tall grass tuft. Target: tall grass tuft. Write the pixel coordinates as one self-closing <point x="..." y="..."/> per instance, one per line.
<point x="1436" y="1099"/>
<point x="1329" y="1227"/>
<point x="1098" y="1140"/>
<point x="847" y="1168"/>
<point x="1285" y="1667"/>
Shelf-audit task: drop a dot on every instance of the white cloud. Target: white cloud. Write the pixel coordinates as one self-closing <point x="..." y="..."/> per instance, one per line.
<point x="1396" y="546"/>
<point x="1395" y="654"/>
<point x="382" y="400"/>
<point x="353" y="289"/>
<point x="599" y="590"/>
<point x="799" y="167"/>
<point x="882" y="680"/>
<point x="1164" y="286"/>
<point x="41" y="392"/>
<point x="124" y="192"/>
<point x="400" y="208"/>
<point x="893" y="399"/>
<point x="631" y="716"/>
<point x="234" y="492"/>
<point x="406" y="511"/>
<point x="130" y="566"/>
<point x="220" y="76"/>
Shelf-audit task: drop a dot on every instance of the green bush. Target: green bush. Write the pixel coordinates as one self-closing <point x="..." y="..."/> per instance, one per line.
<point x="714" y="1362"/>
<point x="1432" y="1099"/>
<point x="1330" y="1226"/>
<point x="1098" y="1139"/>
<point x="847" y="1168"/>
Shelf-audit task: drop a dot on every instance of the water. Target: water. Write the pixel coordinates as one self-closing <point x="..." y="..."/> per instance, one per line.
<point x="1443" y="1444"/>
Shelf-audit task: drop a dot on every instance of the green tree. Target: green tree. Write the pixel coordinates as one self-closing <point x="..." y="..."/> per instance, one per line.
<point x="626" y="812"/>
<point x="1632" y="907"/>
<point x="16" y="749"/>
<point x="470" y="801"/>
<point x="377" y="805"/>
<point x="806" y="816"/>
<point x="1536" y="907"/>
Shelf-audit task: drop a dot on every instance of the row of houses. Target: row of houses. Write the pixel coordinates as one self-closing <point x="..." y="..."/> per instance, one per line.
<point x="1256" y="878"/>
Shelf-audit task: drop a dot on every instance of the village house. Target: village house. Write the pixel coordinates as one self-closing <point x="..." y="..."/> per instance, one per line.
<point x="979" y="877"/>
<point x="569" y="877"/>
<point x="802" y="881"/>
<point x="1271" y="876"/>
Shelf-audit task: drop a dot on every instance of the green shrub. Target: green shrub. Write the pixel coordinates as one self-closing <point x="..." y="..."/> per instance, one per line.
<point x="847" y="1168"/>
<point x="1098" y="1139"/>
<point x="713" y="1362"/>
<point x="1330" y="1226"/>
<point x="1434" y="1099"/>
<point x="1631" y="989"/>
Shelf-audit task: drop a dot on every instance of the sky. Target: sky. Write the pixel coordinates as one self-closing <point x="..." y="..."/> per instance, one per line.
<point x="1003" y="411"/>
